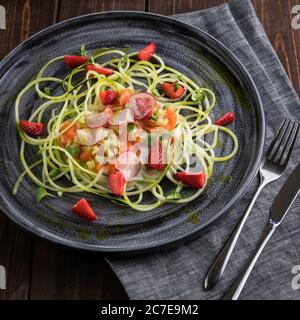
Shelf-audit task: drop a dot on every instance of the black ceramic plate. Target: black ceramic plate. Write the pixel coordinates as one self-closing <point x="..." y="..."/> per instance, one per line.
<point x="121" y="229"/>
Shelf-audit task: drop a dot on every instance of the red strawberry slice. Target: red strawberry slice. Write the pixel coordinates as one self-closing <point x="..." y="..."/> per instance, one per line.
<point x="75" y="61"/>
<point x="98" y="69"/>
<point x="142" y="105"/>
<point x="226" y="120"/>
<point x="173" y="90"/>
<point x="192" y="179"/>
<point x="34" y="129"/>
<point x="117" y="183"/>
<point x="108" y="96"/>
<point x="83" y="210"/>
<point x="155" y="158"/>
<point x="146" y="53"/>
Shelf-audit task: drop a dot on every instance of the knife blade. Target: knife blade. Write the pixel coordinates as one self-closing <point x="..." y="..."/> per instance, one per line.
<point x="286" y="197"/>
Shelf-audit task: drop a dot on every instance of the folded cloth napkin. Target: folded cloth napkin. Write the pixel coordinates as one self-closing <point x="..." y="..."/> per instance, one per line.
<point x="178" y="273"/>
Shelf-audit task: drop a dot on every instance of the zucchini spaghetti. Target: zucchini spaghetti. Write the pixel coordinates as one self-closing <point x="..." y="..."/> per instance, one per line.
<point x="119" y="125"/>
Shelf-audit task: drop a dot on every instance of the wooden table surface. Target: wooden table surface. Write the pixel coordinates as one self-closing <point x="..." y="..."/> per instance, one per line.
<point x="36" y="269"/>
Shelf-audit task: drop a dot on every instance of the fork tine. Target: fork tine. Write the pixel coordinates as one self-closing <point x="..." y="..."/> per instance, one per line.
<point x="289" y="148"/>
<point x="285" y="142"/>
<point x="273" y="149"/>
<point x="269" y="151"/>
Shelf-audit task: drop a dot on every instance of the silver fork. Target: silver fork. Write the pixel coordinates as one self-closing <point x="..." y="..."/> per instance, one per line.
<point x="271" y="169"/>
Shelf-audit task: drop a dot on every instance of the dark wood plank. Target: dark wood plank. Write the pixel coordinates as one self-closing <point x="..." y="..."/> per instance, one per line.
<point x="64" y="274"/>
<point x="70" y="274"/>
<point x="69" y="9"/>
<point x="169" y="7"/>
<point x="23" y="18"/>
<point x="276" y="17"/>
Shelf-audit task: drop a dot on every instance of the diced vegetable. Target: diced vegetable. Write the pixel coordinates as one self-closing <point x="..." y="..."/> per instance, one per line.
<point x="117" y="183"/>
<point x="84" y="210"/>
<point x="146" y="53"/>
<point x="192" y="179"/>
<point x="98" y="69"/>
<point x="226" y="120"/>
<point x="173" y="90"/>
<point x="156" y="159"/>
<point x="75" y="61"/>
<point x="172" y="119"/>
<point x="125" y="96"/>
<point x="108" y="96"/>
<point x="86" y="155"/>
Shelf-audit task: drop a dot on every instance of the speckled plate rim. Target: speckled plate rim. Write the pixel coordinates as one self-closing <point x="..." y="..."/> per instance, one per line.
<point x="237" y="66"/>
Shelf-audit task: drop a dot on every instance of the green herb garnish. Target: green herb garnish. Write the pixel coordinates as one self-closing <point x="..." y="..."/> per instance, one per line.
<point x="54" y="172"/>
<point x="154" y="116"/>
<point x="41" y="193"/>
<point x="174" y="195"/>
<point x="130" y="126"/>
<point x="124" y="59"/>
<point x="181" y="77"/>
<point x="91" y="60"/>
<point x="176" y="86"/>
<point x="83" y="51"/>
<point x="47" y="91"/>
<point x="73" y="150"/>
<point x="198" y="95"/>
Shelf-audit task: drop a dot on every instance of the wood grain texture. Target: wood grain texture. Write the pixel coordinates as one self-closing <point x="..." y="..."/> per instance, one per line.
<point x="39" y="270"/>
<point x="169" y="7"/>
<point x="60" y="273"/>
<point x="23" y="18"/>
<point x="276" y="17"/>
<point x="69" y="9"/>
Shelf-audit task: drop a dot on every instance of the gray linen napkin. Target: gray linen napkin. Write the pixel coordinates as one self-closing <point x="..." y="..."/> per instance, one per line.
<point x="178" y="273"/>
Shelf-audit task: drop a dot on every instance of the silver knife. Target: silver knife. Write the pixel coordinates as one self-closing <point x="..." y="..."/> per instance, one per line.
<point x="278" y="211"/>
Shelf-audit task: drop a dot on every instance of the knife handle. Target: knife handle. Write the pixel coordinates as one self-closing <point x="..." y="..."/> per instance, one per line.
<point x="239" y="283"/>
<point x="217" y="268"/>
